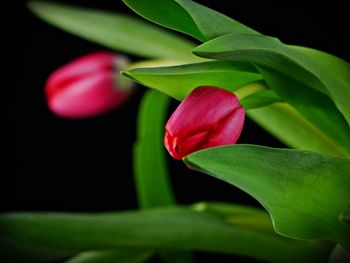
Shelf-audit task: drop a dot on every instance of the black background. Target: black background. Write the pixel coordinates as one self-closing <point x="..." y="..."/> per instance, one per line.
<point x="63" y="165"/>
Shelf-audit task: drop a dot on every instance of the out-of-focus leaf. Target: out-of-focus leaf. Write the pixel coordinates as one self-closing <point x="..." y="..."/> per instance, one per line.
<point x="150" y="165"/>
<point x="113" y="30"/>
<point x="303" y="191"/>
<point x="339" y="255"/>
<point x="33" y="234"/>
<point x="179" y="81"/>
<point x="112" y="256"/>
<point x="150" y="168"/>
<point x="240" y="215"/>
<point x="188" y="17"/>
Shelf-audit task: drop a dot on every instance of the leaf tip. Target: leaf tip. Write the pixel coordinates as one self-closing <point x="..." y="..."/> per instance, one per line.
<point x="126" y="74"/>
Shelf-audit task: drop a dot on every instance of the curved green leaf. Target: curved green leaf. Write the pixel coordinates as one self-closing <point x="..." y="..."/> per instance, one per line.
<point x="260" y="99"/>
<point x="321" y="71"/>
<point x="113" y="30"/>
<point x="286" y="124"/>
<point x="188" y="17"/>
<point x="303" y="191"/>
<point x="314" y="106"/>
<point x="115" y="256"/>
<point x="332" y="71"/>
<point x="150" y="168"/>
<point x="178" y="81"/>
<point x="175" y="228"/>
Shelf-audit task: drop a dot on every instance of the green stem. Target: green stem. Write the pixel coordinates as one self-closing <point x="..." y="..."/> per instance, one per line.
<point x="250" y="89"/>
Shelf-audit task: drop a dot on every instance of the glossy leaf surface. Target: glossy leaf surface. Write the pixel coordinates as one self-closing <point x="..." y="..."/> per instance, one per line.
<point x="303" y="191"/>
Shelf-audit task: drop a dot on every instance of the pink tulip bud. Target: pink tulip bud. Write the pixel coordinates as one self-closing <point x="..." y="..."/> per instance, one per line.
<point x="207" y="117"/>
<point x="87" y="86"/>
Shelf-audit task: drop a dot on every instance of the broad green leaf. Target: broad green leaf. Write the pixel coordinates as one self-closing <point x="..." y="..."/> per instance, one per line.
<point x="150" y="168"/>
<point x="165" y="228"/>
<point x="113" y="30"/>
<point x="286" y="124"/>
<point x="314" y="106"/>
<point x="212" y="23"/>
<point x="188" y="17"/>
<point x="178" y="81"/>
<point x="112" y="256"/>
<point x="303" y="191"/>
<point x="321" y="71"/>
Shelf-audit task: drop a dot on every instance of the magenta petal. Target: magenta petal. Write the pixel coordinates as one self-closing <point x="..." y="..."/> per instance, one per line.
<point x="101" y="61"/>
<point x="87" y="97"/>
<point x="86" y="87"/>
<point x="201" y="110"/>
<point x="179" y="147"/>
<point x="228" y="130"/>
<point x="208" y="117"/>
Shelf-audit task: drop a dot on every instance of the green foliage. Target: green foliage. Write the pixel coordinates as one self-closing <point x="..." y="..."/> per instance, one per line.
<point x="311" y="67"/>
<point x="150" y="168"/>
<point x="303" y="191"/>
<point x="288" y="125"/>
<point x="114" y="30"/>
<point x="34" y="237"/>
<point x="109" y="256"/>
<point x="298" y="94"/>
<point x="188" y="17"/>
<point x="178" y="81"/>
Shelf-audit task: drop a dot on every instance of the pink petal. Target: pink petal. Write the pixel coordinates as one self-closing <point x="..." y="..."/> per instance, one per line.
<point x="101" y="61"/>
<point x="87" y="97"/>
<point x="201" y="110"/>
<point x="228" y="130"/>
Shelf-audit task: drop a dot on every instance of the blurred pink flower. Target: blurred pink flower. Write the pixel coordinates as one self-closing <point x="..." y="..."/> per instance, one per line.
<point x="87" y="86"/>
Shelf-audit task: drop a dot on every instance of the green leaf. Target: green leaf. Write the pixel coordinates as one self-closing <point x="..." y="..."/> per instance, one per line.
<point x="286" y="124"/>
<point x="314" y="106"/>
<point x="188" y="17"/>
<point x="150" y="165"/>
<point x="150" y="168"/>
<point x="303" y="191"/>
<point x="332" y="71"/>
<point x="260" y="99"/>
<point x="113" y="30"/>
<point x="240" y="215"/>
<point x="115" y="256"/>
<point x="178" y="81"/>
<point x="165" y="228"/>
<point x="323" y="72"/>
